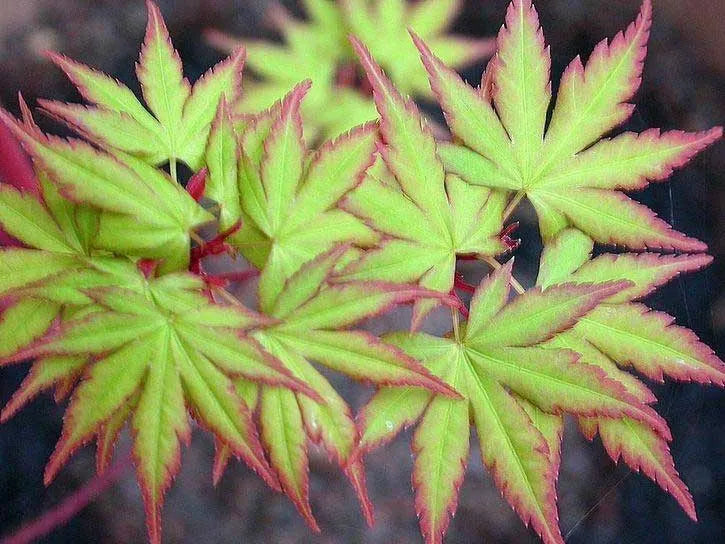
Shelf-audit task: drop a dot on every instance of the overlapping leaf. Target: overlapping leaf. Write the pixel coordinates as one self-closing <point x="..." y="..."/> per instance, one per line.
<point x="570" y="175"/>
<point x="287" y="197"/>
<point x="309" y="314"/>
<point x="382" y="25"/>
<point x="317" y="49"/>
<point x="93" y="244"/>
<point x="176" y="127"/>
<point x="172" y="351"/>
<point x="427" y="217"/>
<point x="145" y="213"/>
<point x="50" y="260"/>
<point x="621" y="332"/>
<point x="34" y="214"/>
<point x="46" y="264"/>
<point x="496" y="358"/>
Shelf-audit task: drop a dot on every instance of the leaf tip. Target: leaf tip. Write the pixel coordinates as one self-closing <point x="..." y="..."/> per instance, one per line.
<point x="713" y="135"/>
<point x="154" y="13"/>
<point x="222" y="455"/>
<point x="355" y="471"/>
<point x="197" y="184"/>
<point x="153" y="523"/>
<point x="59" y="59"/>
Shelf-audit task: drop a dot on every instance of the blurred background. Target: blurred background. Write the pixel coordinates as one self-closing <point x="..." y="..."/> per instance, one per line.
<point x="684" y="87"/>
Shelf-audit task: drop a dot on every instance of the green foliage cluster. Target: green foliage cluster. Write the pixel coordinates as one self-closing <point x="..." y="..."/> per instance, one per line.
<point x="106" y="288"/>
<point x="318" y="49"/>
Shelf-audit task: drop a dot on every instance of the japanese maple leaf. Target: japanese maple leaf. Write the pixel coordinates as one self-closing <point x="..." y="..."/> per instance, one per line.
<point x="570" y="174"/>
<point x="622" y="333"/>
<point x="286" y="196"/>
<point x="427" y="217"/>
<point x="382" y="25"/>
<point x="176" y="127"/>
<point x="38" y="287"/>
<point x="27" y="194"/>
<point x="171" y="351"/>
<point x="316" y="49"/>
<point x="145" y="213"/>
<point x="50" y="259"/>
<point x="511" y="385"/>
<point x="308" y="314"/>
<point x="312" y="49"/>
<point x="47" y="263"/>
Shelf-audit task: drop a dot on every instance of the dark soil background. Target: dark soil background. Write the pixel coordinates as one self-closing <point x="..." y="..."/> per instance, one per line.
<point x="599" y="503"/>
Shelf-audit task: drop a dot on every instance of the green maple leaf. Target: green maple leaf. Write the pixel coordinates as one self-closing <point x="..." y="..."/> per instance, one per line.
<point x="312" y="49"/>
<point x="54" y="260"/>
<point x="167" y="350"/>
<point x="91" y="288"/>
<point x="308" y="315"/>
<point x="571" y="177"/>
<point x="318" y="49"/>
<point x="427" y="217"/>
<point x="286" y="196"/>
<point x="145" y="213"/>
<point x="34" y="211"/>
<point x="176" y="127"/>
<point x="512" y="386"/>
<point x="43" y="278"/>
<point x="315" y="49"/>
<point x="622" y="333"/>
<point x="382" y="25"/>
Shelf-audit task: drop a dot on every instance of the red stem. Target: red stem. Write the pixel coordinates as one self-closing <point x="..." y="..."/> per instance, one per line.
<point x="461" y="307"/>
<point x="69" y="507"/>
<point x="511" y="244"/>
<point x="215" y="246"/>
<point x="460" y="283"/>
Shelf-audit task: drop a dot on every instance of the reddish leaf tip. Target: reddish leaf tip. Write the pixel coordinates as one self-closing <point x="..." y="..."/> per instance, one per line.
<point x="646" y="9"/>
<point x="16" y="168"/>
<point x="55" y="57"/>
<point x="197" y="184"/>
<point x="376" y="76"/>
<point x="426" y="54"/>
<point x="298" y="93"/>
<point x="355" y="471"/>
<point x="154" y="12"/>
<point x="55" y="463"/>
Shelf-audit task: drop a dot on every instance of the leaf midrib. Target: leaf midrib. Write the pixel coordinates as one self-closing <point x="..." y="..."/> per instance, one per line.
<point x="167" y="103"/>
<point x="499" y="424"/>
<point x="290" y="338"/>
<point x="531" y="316"/>
<point x="602" y="211"/>
<point x="157" y="463"/>
<point x="443" y="443"/>
<point x="562" y="175"/>
<point x="546" y="377"/>
<point x="57" y="238"/>
<point x="583" y="116"/>
<point x="654" y="343"/>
